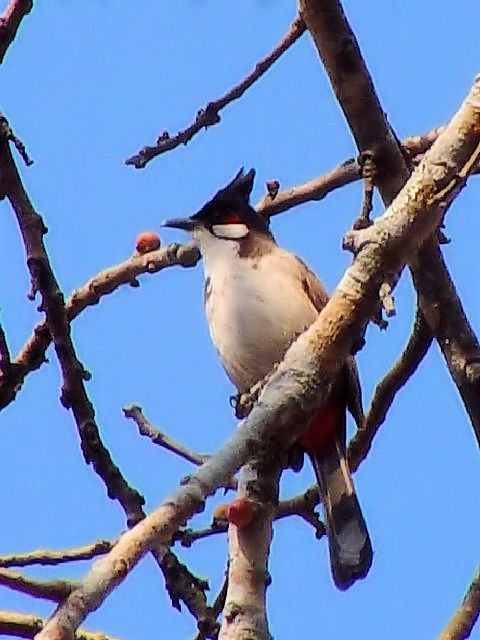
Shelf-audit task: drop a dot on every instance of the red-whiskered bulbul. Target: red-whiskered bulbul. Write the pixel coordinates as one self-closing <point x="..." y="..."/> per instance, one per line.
<point x="259" y="298"/>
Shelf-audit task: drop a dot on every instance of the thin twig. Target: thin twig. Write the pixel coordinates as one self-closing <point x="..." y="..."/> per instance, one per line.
<point x="10" y="21"/>
<point x="463" y="621"/>
<point x="56" y="590"/>
<point x="7" y="133"/>
<point x="386" y="390"/>
<point x="209" y="115"/>
<point x="146" y="428"/>
<point x="49" y="557"/>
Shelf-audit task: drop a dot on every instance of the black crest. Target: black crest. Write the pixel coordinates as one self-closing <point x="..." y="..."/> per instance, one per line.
<point x="233" y="201"/>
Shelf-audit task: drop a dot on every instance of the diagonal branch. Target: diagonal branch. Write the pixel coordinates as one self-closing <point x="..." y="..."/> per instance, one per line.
<point x="355" y="92"/>
<point x="32" y="354"/>
<point x="449" y="324"/>
<point x="464" y="619"/>
<point x="10" y="21"/>
<point x="209" y="115"/>
<point x="74" y="395"/>
<point x="386" y="390"/>
<point x="301" y="382"/>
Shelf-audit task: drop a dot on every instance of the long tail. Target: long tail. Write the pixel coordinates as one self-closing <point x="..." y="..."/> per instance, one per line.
<point x="348" y="540"/>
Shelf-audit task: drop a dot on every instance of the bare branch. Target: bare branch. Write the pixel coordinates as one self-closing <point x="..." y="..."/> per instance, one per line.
<point x="385" y="392"/>
<point x="217" y="609"/>
<point x="301" y="383"/>
<point x="146" y="428"/>
<point x="353" y="86"/>
<point x="32" y="354"/>
<point x="449" y="324"/>
<point x="48" y="557"/>
<point x="21" y="625"/>
<point x="461" y="625"/>
<point x="209" y="115"/>
<point x="355" y="92"/>
<point x="10" y="21"/>
<point x="5" y="362"/>
<point x="249" y="537"/>
<point x="56" y="590"/>
<point x="74" y="395"/>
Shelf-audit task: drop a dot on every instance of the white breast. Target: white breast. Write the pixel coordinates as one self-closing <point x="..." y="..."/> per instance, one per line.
<point x="255" y="308"/>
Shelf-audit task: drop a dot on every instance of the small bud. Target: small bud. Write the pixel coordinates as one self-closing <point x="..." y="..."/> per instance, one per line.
<point x="147" y="241"/>
<point x="240" y="512"/>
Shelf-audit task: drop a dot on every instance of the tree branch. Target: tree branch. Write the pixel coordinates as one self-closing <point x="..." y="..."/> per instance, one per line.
<point x="32" y="354"/>
<point x="386" y="390"/>
<point x="21" y="625"/>
<point x="48" y="557"/>
<point x="56" y="590"/>
<point x="209" y="115"/>
<point x="449" y="324"/>
<point x="461" y="625"/>
<point x="74" y="395"/>
<point x="10" y="21"/>
<point x="355" y="92"/>
<point x="146" y="428"/>
<point x="301" y="382"/>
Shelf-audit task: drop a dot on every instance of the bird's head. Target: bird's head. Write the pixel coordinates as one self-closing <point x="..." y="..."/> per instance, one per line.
<point x="227" y="216"/>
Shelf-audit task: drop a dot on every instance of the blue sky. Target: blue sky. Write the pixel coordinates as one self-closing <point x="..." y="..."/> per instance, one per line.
<point x="87" y="84"/>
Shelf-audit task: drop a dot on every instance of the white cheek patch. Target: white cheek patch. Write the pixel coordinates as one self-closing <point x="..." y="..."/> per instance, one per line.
<point x="232" y="231"/>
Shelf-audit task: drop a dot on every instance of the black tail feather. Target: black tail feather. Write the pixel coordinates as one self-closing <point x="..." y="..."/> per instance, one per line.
<point x="348" y="540"/>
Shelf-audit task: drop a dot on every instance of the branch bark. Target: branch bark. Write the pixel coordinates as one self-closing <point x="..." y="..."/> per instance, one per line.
<point x="210" y="114"/>
<point x="301" y="382"/>
<point x="22" y="625"/>
<point x="10" y="21"/>
<point x="48" y="557"/>
<point x="449" y="324"/>
<point x="463" y="621"/>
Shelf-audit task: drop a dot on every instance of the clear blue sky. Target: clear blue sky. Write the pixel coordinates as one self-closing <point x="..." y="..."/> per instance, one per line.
<point x="86" y="84"/>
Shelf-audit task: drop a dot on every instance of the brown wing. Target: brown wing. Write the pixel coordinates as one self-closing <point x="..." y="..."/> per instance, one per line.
<point x="318" y="296"/>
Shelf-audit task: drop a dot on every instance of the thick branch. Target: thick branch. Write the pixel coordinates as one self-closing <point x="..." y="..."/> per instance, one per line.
<point x="449" y="324"/>
<point x="301" y="382"/>
<point x="353" y="86"/>
<point x="10" y="21"/>
<point x="210" y="114"/>
<point x="355" y="92"/>
<point x="461" y="625"/>
<point x="48" y="557"/>
<point x="245" y="613"/>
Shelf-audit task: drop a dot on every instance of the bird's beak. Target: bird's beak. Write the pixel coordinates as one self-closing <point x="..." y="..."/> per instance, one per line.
<point x="187" y="224"/>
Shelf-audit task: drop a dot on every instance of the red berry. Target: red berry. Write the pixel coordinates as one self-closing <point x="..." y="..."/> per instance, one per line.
<point x="240" y="512"/>
<point x="147" y="241"/>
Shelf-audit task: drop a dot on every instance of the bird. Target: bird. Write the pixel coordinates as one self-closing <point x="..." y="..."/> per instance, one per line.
<point x="259" y="298"/>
